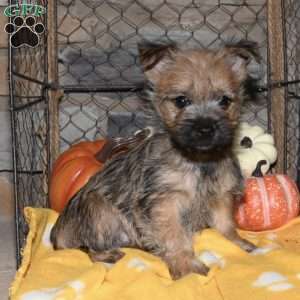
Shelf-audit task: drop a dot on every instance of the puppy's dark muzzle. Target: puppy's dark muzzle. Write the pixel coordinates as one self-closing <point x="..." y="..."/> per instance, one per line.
<point x="203" y="135"/>
<point x="204" y="131"/>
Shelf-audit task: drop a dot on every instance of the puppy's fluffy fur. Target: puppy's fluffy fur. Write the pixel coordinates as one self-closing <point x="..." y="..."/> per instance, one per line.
<point x="184" y="178"/>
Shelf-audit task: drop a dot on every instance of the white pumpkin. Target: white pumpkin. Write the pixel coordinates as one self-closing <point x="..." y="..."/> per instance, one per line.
<point x="253" y="144"/>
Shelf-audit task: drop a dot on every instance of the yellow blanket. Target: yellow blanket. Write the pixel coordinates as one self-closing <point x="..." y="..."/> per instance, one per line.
<point x="271" y="272"/>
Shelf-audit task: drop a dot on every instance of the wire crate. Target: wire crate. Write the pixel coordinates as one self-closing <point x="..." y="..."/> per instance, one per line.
<point x="81" y="81"/>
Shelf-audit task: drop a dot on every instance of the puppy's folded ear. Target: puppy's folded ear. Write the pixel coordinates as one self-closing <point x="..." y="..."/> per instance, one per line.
<point x="155" y="58"/>
<point x="244" y="59"/>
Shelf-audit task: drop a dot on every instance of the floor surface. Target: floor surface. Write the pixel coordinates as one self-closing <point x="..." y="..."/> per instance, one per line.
<point x="7" y="255"/>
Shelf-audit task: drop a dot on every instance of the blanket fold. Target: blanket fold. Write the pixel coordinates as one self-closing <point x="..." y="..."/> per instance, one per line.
<point x="271" y="272"/>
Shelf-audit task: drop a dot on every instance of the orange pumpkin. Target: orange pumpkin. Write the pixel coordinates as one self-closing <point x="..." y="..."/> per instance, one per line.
<point x="269" y="202"/>
<point x="72" y="170"/>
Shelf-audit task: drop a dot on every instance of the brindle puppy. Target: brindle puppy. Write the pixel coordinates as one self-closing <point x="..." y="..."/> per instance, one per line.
<point x="182" y="179"/>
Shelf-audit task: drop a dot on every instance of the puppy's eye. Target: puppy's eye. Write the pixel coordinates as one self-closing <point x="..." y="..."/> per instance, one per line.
<point x="225" y="102"/>
<point x="182" y="101"/>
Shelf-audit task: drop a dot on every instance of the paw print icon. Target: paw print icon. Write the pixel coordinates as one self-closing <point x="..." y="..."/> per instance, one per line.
<point x="24" y="31"/>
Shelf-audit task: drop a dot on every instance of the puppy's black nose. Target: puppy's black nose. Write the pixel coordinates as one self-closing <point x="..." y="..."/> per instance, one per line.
<point x="205" y="128"/>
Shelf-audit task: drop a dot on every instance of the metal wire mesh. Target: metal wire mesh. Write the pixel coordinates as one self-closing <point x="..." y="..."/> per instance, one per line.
<point x="292" y="24"/>
<point x="97" y="39"/>
<point x="28" y="73"/>
<point x="31" y="164"/>
<point x="97" y="42"/>
<point x="90" y="116"/>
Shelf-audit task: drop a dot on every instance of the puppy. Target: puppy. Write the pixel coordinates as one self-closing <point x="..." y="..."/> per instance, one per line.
<point x="182" y="179"/>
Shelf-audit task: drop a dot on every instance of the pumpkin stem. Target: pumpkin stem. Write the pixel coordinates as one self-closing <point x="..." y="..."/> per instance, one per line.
<point x="106" y="151"/>
<point x="257" y="172"/>
<point x="118" y="145"/>
<point x="246" y="142"/>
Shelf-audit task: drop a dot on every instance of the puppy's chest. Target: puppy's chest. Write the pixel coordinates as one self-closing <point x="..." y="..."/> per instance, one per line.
<point x="198" y="184"/>
<point x="201" y="189"/>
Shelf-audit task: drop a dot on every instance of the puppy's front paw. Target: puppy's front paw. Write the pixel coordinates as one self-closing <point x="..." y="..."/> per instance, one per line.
<point x="199" y="268"/>
<point x="187" y="266"/>
<point x="246" y="245"/>
<point x="108" y="256"/>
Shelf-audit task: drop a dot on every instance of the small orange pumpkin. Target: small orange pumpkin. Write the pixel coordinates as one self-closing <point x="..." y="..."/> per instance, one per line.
<point x="269" y="202"/>
<point x="72" y="170"/>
